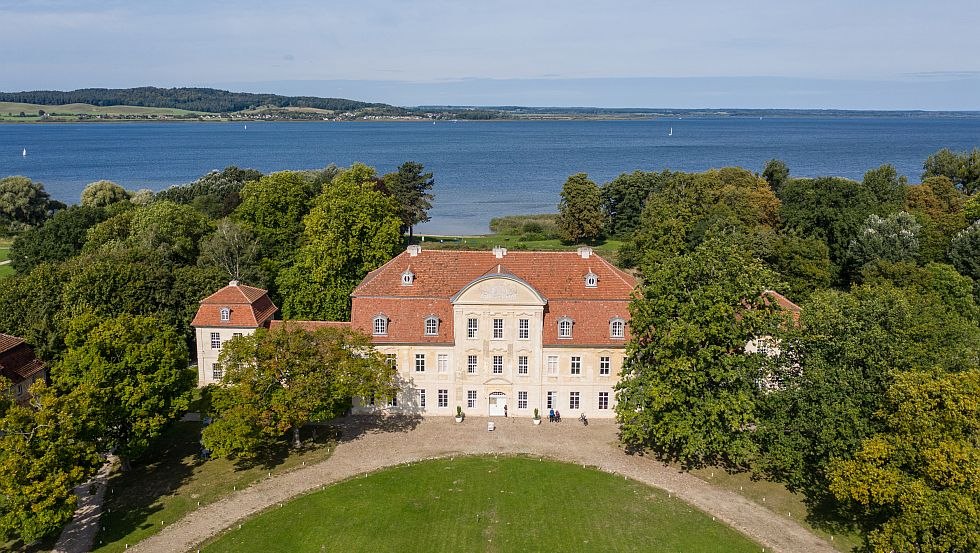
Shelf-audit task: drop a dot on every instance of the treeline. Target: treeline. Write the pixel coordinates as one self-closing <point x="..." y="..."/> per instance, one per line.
<point x="867" y="401"/>
<point x="194" y="99"/>
<point x="105" y="290"/>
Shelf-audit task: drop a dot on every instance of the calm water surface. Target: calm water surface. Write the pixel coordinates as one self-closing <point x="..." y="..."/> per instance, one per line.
<point x="482" y="169"/>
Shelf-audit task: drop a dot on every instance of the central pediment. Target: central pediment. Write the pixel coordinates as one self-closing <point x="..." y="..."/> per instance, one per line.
<point x="498" y="289"/>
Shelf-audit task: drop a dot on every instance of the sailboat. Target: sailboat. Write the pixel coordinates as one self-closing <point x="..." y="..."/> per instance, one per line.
<point x="671" y="132"/>
<point x="246" y="127"/>
<point x="24" y="153"/>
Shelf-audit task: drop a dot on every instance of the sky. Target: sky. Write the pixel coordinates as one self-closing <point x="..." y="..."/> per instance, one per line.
<point x="844" y="54"/>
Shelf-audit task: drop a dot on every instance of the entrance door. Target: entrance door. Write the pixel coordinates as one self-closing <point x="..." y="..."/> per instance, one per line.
<point x="498" y="400"/>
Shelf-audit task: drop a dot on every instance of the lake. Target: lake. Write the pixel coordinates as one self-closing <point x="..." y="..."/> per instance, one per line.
<point x="482" y="169"/>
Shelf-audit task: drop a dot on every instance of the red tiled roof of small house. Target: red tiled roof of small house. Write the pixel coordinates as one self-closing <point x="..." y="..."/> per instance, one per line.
<point x="247" y="307"/>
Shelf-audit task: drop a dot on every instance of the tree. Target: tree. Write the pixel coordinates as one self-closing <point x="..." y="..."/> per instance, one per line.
<point x="802" y="262"/>
<point x="273" y="208"/>
<point x="623" y="199"/>
<point x="963" y="169"/>
<point x="231" y="249"/>
<point x="688" y="388"/>
<point x="23" y="204"/>
<point x="351" y="230"/>
<point x="915" y="486"/>
<point x="172" y="230"/>
<point x="964" y="251"/>
<point x="580" y="216"/>
<point x="45" y="451"/>
<point x="103" y="193"/>
<point x="60" y="238"/>
<point x="216" y="194"/>
<point x="410" y="187"/>
<point x="135" y="369"/>
<point x="887" y="186"/>
<point x="276" y="381"/>
<point x="31" y="308"/>
<point x="776" y="174"/>
<point x="938" y="206"/>
<point x="894" y="238"/>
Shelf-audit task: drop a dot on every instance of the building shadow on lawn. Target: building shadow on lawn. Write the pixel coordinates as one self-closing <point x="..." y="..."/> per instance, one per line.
<point x="352" y="427"/>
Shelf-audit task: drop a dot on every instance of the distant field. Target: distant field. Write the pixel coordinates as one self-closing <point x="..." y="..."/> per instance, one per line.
<point x="10" y="111"/>
<point x="606" y="248"/>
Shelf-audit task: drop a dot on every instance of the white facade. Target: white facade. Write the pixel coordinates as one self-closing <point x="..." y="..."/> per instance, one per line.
<point x="209" y="343"/>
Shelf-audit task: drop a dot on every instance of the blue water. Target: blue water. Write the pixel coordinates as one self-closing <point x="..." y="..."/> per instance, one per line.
<point x="482" y="169"/>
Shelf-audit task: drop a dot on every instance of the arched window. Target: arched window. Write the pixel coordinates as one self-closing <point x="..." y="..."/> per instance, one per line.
<point x="408" y="277"/>
<point x="380" y="325"/>
<point x="617" y="328"/>
<point x="565" y="327"/>
<point x="591" y="280"/>
<point x="432" y="325"/>
<point x="225" y="314"/>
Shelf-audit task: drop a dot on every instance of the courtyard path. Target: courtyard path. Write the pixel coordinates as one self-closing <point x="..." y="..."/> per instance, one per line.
<point x="369" y="445"/>
<point x="80" y="533"/>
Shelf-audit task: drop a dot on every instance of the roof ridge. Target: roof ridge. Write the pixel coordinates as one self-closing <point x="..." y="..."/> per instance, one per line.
<point x="618" y="272"/>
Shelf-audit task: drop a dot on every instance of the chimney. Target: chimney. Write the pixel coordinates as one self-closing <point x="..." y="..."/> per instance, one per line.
<point x="233" y="283"/>
<point x="585" y="252"/>
<point x="499" y="252"/>
<point x="414" y="250"/>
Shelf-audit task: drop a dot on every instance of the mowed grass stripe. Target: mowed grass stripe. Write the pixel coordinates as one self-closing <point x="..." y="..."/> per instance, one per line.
<point x="506" y="504"/>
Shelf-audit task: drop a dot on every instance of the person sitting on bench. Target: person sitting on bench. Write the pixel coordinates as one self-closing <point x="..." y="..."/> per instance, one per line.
<point x="557" y="416"/>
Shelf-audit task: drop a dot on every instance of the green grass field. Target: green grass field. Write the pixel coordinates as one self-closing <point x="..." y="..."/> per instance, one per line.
<point x="469" y="504"/>
<point x="10" y="111"/>
<point x="607" y="248"/>
<point x="177" y="480"/>
<point x="5" y="270"/>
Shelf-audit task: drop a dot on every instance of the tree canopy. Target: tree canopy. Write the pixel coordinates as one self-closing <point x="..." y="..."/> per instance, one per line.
<point x="23" y="204"/>
<point x="103" y="193"/>
<point x="412" y="189"/>
<point x="580" y="215"/>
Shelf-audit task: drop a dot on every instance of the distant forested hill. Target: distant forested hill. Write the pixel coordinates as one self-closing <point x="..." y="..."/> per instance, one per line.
<point x="194" y="99"/>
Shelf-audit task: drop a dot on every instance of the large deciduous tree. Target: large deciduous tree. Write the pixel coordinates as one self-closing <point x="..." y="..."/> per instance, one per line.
<point x="580" y="215"/>
<point x="623" y="199"/>
<point x="938" y="206"/>
<point x="273" y="208"/>
<point x="963" y="169"/>
<point x="411" y="187"/>
<point x="276" y="381"/>
<point x="136" y="369"/>
<point x="232" y="249"/>
<point x="964" y="251"/>
<point x="893" y="238"/>
<point x="60" y="238"/>
<point x="776" y="173"/>
<point x="216" y="194"/>
<point x="351" y="230"/>
<point x="688" y="388"/>
<point x="171" y="230"/>
<point x="23" y="204"/>
<point x="103" y="193"/>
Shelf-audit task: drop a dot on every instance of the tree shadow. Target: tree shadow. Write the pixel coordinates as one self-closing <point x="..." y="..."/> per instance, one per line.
<point x="352" y="427"/>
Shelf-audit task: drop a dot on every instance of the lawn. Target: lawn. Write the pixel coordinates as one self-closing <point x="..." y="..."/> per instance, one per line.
<point x="606" y="248"/>
<point x="484" y="504"/>
<point x="177" y="481"/>
<point x="5" y="270"/>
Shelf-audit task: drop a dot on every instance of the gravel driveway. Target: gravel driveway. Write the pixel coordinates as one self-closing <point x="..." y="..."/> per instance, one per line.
<point x="371" y="444"/>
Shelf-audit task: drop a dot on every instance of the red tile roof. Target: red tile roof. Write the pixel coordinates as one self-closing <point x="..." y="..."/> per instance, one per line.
<point x="439" y="274"/>
<point x="249" y="307"/>
<point x="17" y="359"/>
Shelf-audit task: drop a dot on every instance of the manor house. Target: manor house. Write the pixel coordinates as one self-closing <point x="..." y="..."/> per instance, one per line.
<point x="497" y="333"/>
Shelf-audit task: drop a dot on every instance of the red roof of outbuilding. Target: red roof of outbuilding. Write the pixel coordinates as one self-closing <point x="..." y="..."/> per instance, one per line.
<point x="249" y="307"/>
<point x="17" y="359"/>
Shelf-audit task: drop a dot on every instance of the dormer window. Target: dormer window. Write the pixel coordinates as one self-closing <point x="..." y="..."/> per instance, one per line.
<point x="432" y="325"/>
<point x="408" y="278"/>
<point x="591" y="280"/>
<point x="617" y="328"/>
<point x="380" y="325"/>
<point x="565" y="327"/>
<point x="225" y="314"/>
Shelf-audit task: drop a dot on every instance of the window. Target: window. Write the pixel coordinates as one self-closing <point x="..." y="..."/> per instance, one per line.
<point x="422" y="398"/>
<point x="216" y="371"/>
<point x="573" y="400"/>
<point x="617" y="328"/>
<point x="521" y="364"/>
<point x="604" y="366"/>
<point x="471" y="364"/>
<point x="225" y="314"/>
<point x="391" y="359"/>
<point x="470" y="399"/>
<point x="498" y="328"/>
<point x="552" y="400"/>
<point x="443" y="398"/>
<point x="576" y="365"/>
<point x="215" y="340"/>
<point x="20" y="389"/>
<point x="472" y="325"/>
<point x="523" y="329"/>
<point x="420" y="362"/>
<point x="380" y="325"/>
<point x="603" y="400"/>
<point x="408" y="277"/>
<point x="392" y="401"/>
<point x="442" y="362"/>
<point x="498" y="364"/>
<point x="552" y="364"/>
<point x="591" y="280"/>
<point x="431" y="326"/>
<point x="564" y="327"/>
<point x="236" y="335"/>
<point x="522" y="400"/>
<point x="371" y="400"/>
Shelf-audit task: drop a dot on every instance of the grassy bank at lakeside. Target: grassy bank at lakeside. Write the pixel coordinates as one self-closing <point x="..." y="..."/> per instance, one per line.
<point x="11" y="112"/>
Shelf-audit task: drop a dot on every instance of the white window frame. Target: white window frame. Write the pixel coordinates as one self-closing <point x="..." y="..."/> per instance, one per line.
<point x="442" y="362"/>
<point x="565" y="325"/>
<point x="217" y="372"/>
<point x="522" y="400"/>
<point x="574" y="400"/>
<point x="215" y="340"/>
<point x="432" y="325"/>
<point x="498" y="329"/>
<point x="380" y="325"/>
<point x="603" y="400"/>
<point x="552" y="400"/>
<point x="225" y="314"/>
<point x="472" y="327"/>
<point x="392" y="401"/>
<point x="591" y="280"/>
<point x="442" y="397"/>
<point x="575" y="365"/>
<point x="408" y="278"/>
<point x="420" y="362"/>
<point x="472" y="362"/>
<point x="522" y="364"/>
<point x="391" y="359"/>
<point x="523" y="329"/>
<point x="617" y="328"/>
<point x="470" y="399"/>
<point x="422" y="398"/>
<point x="605" y="365"/>
<point x="497" y="366"/>
<point x="552" y="365"/>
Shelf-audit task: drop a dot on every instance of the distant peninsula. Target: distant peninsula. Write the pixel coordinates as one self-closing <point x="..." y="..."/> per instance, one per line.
<point x="209" y="104"/>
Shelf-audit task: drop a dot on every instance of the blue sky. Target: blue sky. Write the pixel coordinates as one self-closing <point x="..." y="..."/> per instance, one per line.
<point x="870" y="54"/>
